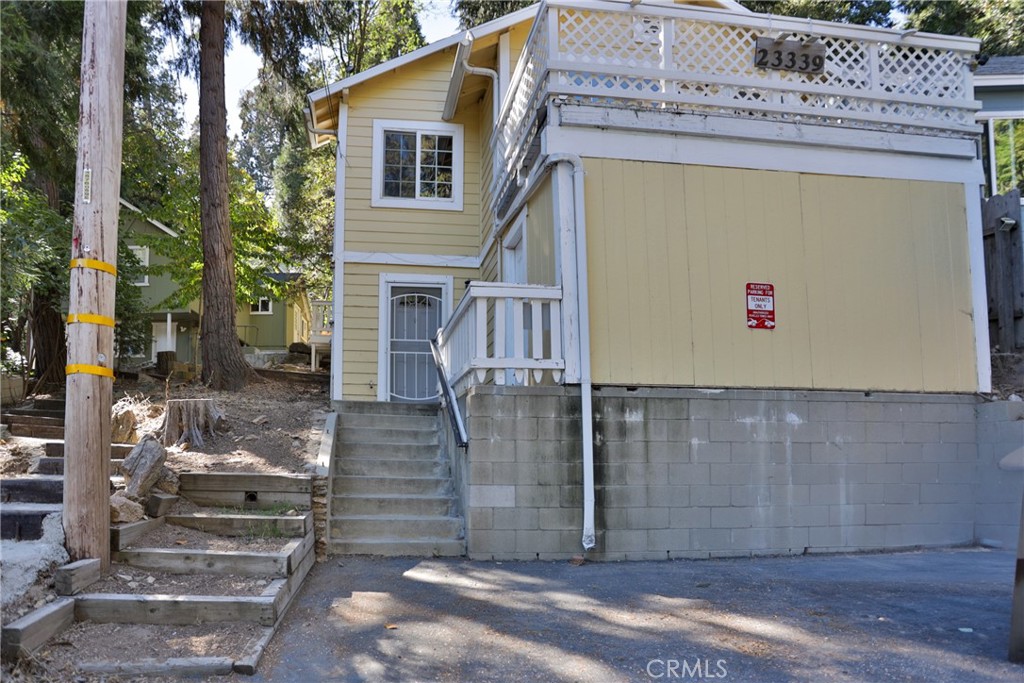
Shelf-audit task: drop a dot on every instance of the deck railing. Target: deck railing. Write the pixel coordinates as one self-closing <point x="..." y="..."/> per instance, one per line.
<point x="321" y="321"/>
<point x="698" y="60"/>
<point x="504" y="333"/>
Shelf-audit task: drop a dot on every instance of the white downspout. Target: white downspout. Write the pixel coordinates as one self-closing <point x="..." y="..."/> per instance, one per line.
<point x="586" y="386"/>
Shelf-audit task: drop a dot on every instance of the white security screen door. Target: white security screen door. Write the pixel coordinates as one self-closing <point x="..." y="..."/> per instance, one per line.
<point x="414" y="316"/>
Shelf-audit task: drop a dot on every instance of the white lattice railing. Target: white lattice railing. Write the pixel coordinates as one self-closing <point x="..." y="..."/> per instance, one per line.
<point x="321" y="321"/>
<point x="690" y="59"/>
<point x="505" y="333"/>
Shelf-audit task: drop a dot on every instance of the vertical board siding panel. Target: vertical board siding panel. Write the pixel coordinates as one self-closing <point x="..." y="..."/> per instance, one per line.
<point x="675" y="250"/>
<point x="791" y="350"/>
<point x="698" y="253"/>
<point x="540" y="237"/>
<point x="924" y="217"/>
<point x="715" y="201"/>
<point x="618" y="318"/>
<point x="959" y="283"/>
<point x="815" y="285"/>
<point x="633" y="261"/>
<point x="663" y="309"/>
<point x="599" y="306"/>
<point x="761" y="221"/>
<point x="904" y="315"/>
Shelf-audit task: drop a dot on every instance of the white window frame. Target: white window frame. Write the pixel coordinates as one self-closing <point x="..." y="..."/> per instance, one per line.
<point x="384" y="283"/>
<point x="377" y="198"/>
<point x="258" y="304"/>
<point x="988" y="119"/>
<point x="141" y="253"/>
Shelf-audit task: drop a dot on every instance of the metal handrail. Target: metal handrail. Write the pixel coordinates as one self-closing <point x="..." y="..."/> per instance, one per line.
<point x="448" y="398"/>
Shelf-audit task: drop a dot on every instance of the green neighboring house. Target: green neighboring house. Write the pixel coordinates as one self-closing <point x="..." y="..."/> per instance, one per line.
<point x="266" y="327"/>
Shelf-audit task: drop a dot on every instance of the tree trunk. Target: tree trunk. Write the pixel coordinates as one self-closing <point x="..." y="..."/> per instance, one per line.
<point x="187" y="418"/>
<point x="224" y="365"/>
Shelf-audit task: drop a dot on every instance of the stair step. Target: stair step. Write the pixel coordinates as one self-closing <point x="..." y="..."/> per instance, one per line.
<point x="33" y="488"/>
<point x="357" y="435"/>
<point x="55" y="449"/>
<point x="390" y="485"/>
<point x="386" y="408"/>
<point x="49" y="404"/>
<point x="24" y="521"/>
<point x="50" y="465"/>
<point x="395" y="547"/>
<point x="395" y="526"/>
<point x="380" y="421"/>
<point x="388" y="467"/>
<point x="402" y="504"/>
<point x="38" y="431"/>
<point x="13" y="419"/>
<point x="391" y="450"/>
<point x="35" y="412"/>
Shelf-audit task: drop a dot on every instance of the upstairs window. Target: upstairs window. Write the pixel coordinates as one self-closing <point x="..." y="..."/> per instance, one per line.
<point x="417" y="165"/>
<point x="141" y="253"/>
<point x="262" y="307"/>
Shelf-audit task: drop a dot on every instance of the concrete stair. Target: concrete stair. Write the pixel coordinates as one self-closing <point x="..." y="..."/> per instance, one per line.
<point x="392" y="489"/>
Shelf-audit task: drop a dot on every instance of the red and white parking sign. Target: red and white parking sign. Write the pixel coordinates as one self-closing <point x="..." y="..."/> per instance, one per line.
<point x="760" y="306"/>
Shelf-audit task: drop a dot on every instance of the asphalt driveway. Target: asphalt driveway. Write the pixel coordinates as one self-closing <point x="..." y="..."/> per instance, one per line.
<point x="923" y="616"/>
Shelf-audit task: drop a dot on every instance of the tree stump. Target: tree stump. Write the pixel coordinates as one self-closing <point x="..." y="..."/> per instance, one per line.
<point x="165" y="362"/>
<point x="187" y="418"/>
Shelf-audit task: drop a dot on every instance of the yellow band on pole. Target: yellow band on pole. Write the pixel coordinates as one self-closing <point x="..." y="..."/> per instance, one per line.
<point x="93" y="263"/>
<point x="88" y="370"/>
<point x="90" y="318"/>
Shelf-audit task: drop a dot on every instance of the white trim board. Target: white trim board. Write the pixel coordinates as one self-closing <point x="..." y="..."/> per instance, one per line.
<point x="979" y="296"/>
<point x="338" y="257"/>
<point x="762" y="155"/>
<point x="423" y="260"/>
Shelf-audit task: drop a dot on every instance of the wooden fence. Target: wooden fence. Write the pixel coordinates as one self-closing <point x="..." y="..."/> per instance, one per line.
<point x="1004" y="270"/>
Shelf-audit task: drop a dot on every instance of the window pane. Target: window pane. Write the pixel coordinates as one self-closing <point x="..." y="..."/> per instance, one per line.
<point x="399" y="163"/>
<point x="435" y="166"/>
<point x="1009" y="143"/>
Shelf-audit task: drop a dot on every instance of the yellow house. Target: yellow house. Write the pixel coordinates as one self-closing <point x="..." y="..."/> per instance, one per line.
<point x="646" y="212"/>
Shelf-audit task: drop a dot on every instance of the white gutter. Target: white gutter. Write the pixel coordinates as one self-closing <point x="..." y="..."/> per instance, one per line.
<point x="583" y="304"/>
<point x="460" y="68"/>
<point x="586" y="386"/>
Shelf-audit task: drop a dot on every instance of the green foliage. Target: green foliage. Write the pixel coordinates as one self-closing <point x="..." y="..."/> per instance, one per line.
<point x="255" y="238"/>
<point x="472" y="13"/>
<point x="999" y="24"/>
<point x="35" y="245"/>
<point x="866" y="12"/>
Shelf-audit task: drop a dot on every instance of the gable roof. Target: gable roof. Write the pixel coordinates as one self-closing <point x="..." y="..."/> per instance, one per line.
<point x="322" y="105"/>
<point x="155" y="223"/>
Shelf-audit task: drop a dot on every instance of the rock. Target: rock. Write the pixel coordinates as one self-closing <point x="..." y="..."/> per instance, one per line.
<point x="1015" y="398"/>
<point x="124" y="510"/>
<point x="122" y="426"/>
<point x="261" y="420"/>
<point x="168" y="481"/>
<point x="142" y="467"/>
<point x="299" y="347"/>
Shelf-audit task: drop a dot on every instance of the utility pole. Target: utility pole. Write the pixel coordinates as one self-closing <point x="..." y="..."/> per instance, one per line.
<point x="90" y="374"/>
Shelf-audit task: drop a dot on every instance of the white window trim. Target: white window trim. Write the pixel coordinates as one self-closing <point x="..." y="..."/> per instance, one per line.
<point x="385" y="282"/>
<point x="377" y="198"/>
<point x="988" y="119"/>
<point x="270" y="306"/>
<point x="141" y="253"/>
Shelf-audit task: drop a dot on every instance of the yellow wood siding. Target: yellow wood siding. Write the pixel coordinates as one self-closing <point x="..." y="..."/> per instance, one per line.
<point x="362" y="297"/>
<point x="872" y="282"/>
<point x="414" y="93"/>
<point x="540" y="236"/>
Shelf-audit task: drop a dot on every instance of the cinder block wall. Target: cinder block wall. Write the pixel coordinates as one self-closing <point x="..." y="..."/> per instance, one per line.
<point x="695" y="474"/>
<point x="1000" y="481"/>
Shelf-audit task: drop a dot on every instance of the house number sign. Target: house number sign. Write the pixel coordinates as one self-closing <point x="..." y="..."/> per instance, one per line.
<point x="789" y="55"/>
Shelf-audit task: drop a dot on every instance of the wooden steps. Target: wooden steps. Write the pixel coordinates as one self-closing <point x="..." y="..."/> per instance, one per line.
<point x="286" y="569"/>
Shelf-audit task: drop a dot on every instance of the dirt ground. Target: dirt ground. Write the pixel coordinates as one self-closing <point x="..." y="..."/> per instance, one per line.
<point x="271" y="426"/>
